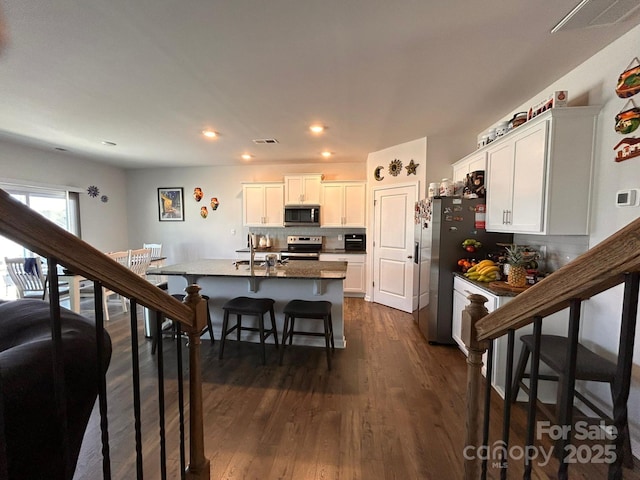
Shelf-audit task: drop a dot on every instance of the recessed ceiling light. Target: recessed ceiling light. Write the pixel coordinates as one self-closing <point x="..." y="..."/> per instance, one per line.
<point x="326" y="154"/>
<point x="317" y="128"/>
<point x="210" y="133"/>
<point x="247" y="156"/>
<point x="108" y="144"/>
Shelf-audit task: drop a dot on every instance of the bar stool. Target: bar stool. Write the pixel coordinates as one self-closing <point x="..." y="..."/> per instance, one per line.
<point x="589" y="366"/>
<point x="172" y="329"/>
<point x="256" y="307"/>
<point x="320" y="310"/>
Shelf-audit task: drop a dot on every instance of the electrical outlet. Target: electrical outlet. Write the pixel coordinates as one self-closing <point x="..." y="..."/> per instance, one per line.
<point x="339" y="238"/>
<point x="233" y="231"/>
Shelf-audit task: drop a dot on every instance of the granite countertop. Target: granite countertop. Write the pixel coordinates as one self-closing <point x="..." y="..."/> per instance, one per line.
<point x="485" y="286"/>
<point x="339" y="251"/>
<point x="300" y="269"/>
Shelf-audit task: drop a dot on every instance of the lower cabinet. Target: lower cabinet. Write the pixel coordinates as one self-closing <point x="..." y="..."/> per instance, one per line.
<point x="555" y="324"/>
<point x="354" y="284"/>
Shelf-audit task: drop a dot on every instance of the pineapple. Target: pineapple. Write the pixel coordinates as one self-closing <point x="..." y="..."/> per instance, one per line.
<point x="517" y="276"/>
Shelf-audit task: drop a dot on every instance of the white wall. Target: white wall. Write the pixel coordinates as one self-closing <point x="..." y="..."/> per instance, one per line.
<point x="104" y="225"/>
<point x="593" y="83"/>
<point x="209" y="237"/>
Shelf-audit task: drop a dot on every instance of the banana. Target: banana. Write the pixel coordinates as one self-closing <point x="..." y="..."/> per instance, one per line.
<point x="485" y="263"/>
<point x="472" y="269"/>
<point x="489" y="269"/>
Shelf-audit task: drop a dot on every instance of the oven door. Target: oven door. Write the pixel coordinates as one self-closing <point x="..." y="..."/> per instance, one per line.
<point x="299" y="256"/>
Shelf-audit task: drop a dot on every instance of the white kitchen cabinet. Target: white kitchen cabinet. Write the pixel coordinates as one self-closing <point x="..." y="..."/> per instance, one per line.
<point x="262" y="204"/>
<point x="555" y="324"/>
<point x="470" y="163"/>
<point x="356" y="271"/>
<point x="343" y="204"/>
<point x="539" y="175"/>
<point x="302" y="189"/>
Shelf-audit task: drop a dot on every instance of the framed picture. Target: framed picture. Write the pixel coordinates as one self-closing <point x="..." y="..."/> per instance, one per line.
<point x="170" y="204"/>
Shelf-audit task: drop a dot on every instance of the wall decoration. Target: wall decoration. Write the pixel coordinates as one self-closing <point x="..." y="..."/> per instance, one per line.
<point x="629" y="80"/>
<point x="204" y="212"/>
<point x="627" y="148"/>
<point x="376" y="173"/>
<point x="628" y="120"/>
<point x="93" y="191"/>
<point x="214" y="203"/>
<point x="197" y="194"/>
<point x="104" y="199"/>
<point x="170" y="204"/>
<point x="395" y="167"/>
<point x="411" y="168"/>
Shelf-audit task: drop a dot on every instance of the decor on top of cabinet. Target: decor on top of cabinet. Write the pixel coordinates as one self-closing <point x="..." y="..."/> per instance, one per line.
<point x="411" y="168"/>
<point x="628" y="120"/>
<point x="197" y="194"/>
<point x="627" y="148"/>
<point x="214" y="203"/>
<point x="474" y="186"/>
<point x="395" y="167"/>
<point x="376" y="173"/>
<point x="629" y="80"/>
<point x="170" y="204"/>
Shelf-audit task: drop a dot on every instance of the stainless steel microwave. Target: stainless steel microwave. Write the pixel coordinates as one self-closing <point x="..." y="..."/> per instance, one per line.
<point x="302" y="215"/>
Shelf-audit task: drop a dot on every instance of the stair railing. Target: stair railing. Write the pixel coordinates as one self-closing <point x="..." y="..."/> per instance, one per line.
<point x="23" y="225"/>
<point x="614" y="261"/>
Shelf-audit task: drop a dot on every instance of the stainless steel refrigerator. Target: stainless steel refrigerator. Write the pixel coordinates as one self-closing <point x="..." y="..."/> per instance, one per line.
<point x="442" y="224"/>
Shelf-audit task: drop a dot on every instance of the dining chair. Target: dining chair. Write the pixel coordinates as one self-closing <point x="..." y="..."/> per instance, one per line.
<point x="156" y="249"/>
<point x="122" y="258"/>
<point x="28" y="277"/>
<point x="139" y="261"/>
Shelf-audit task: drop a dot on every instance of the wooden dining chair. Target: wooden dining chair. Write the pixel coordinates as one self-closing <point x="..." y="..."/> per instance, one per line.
<point x="156" y="249"/>
<point x="122" y="258"/>
<point x="28" y="277"/>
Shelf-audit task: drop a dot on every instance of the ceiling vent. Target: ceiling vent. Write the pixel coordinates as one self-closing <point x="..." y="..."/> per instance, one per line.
<point x="265" y="140"/>
<point x="597" y="13"/>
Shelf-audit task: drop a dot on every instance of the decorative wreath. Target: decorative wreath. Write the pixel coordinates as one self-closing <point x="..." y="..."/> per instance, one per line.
<point x="395" y="167"/>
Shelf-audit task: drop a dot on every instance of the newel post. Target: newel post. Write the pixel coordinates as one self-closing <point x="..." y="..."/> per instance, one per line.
<point x="470" y="315"/>
<point x="199" y="466"/>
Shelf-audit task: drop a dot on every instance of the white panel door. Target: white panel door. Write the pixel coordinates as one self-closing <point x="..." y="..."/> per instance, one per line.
<point x="393" y="247"/>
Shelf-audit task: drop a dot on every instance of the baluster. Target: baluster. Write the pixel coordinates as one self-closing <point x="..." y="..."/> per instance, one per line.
<point x="102" y="381"/>
<point x="135" y="367"/>
<point x="161" y="403"/>
<point x="622" y="381"/>
<point x="506" y="421"/>
<point x="487" y="408"/>
<point x="183" y="461"/>
<point x="533" y="395"/>
<point x="568" y="384"/>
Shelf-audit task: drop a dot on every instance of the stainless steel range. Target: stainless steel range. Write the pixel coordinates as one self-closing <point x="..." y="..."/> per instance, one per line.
<point x="302" y="248"/>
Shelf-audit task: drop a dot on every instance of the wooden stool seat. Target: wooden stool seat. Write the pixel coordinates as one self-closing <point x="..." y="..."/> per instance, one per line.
<point x="256" y="307"/>
<point x="589" y="366"/>
<point x="320" y="310"/>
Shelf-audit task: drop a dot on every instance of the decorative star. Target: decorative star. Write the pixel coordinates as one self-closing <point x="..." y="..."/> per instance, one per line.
<point x="411" y="168"/>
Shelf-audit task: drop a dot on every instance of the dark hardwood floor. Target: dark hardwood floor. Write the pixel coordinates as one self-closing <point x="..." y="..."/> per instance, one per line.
<point x="393" y="407"/>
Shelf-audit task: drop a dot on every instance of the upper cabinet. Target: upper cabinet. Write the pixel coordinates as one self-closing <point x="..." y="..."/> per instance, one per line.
<point x="302" y="189"/>
<point x="343" y="204"/>
<point x="470" y="163"/>
<point x="262" y="204"/>
<point x="539" y="176"/>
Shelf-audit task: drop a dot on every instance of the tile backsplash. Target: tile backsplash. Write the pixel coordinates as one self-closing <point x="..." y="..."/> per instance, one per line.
<point x="333" y="238"/>
<point x="560" y="249"/>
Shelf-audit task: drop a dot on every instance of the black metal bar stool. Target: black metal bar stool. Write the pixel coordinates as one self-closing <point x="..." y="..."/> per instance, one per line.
<point x="256" y="307"/>
<point x="171" y="330"/>
<point x="320" y="310"/>
<point x="589" y="366"/>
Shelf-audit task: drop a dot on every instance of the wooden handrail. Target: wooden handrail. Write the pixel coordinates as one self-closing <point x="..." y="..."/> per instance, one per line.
<point x="595" y="271"/>
<point x="23" y="225"/>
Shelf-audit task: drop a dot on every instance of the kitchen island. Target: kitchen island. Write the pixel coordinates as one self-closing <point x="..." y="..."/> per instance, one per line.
<point x="222" y="280"/>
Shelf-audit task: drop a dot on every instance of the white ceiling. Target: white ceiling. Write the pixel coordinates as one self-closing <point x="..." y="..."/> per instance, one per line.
<point x="149" y="75"/>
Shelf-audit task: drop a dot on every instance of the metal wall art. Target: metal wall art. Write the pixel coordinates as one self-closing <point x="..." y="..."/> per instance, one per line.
<point x="395" y="167"/>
